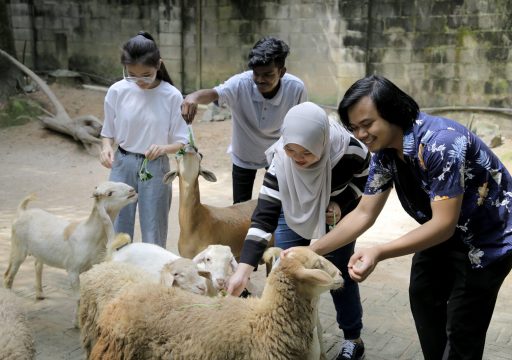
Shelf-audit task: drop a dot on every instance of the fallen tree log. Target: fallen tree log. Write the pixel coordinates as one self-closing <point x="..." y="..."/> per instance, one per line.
<point x="85" y="129"/>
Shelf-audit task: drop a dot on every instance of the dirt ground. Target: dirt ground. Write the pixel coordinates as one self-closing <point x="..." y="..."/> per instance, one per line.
<point x="63" y="175"/>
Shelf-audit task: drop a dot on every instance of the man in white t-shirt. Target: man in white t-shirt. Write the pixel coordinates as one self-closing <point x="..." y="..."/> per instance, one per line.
<point x="259" y="99"/>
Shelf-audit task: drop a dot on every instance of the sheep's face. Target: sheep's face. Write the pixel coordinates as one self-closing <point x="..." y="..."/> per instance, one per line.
<point x="219" y="261"/>
<point x="115" y="195"/>
<point x="315" y="274"/>
<point x="185" y="274"/>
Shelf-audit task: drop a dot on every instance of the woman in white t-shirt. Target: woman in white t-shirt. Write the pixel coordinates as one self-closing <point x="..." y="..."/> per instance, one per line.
<point x="143" y="117"/>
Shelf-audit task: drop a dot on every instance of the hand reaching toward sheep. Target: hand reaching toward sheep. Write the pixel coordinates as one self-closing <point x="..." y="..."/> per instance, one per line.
<point x="362" y="263"/>
<point x="238" y="281"/>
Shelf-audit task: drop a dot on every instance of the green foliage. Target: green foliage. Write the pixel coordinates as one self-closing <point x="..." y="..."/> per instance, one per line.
<point x="18" y="111"/>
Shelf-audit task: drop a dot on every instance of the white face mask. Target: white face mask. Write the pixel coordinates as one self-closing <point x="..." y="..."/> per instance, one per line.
<point x="145" y="79"/>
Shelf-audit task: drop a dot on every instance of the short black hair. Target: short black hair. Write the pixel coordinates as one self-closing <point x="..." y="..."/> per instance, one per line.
<point x="393" y="105"/>
<point x="267" y="51"/>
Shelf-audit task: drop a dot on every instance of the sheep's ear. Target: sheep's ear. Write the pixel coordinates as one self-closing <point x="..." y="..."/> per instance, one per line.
<point x="208" y="175"/>
<point x="315" y="277"/>
<point x="233" y="264"/>
<point x="205" y="274"/>
<point x="166" y="279"/>
<point x="199" y="258"/>
<point x="169" y="177"/>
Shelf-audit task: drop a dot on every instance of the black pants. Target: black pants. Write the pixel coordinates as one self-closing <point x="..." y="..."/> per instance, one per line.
<point x="243" y="182"/>
<point x="452" y="304"/>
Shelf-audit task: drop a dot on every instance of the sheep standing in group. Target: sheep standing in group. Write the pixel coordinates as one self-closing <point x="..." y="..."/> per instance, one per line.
<point x="216" y="261"/>
<point x="180" y="272"/>
<point x="73" y="246"/>
<point x="200" y="224"/>
<point x="16" y="341"/>
<point x="98" y="286"/>
<point x="180" y="325"/>
<point x="127" y="265"/>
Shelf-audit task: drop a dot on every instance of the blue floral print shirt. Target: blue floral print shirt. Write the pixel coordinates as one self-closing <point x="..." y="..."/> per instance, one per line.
<point x="446" y="159"/>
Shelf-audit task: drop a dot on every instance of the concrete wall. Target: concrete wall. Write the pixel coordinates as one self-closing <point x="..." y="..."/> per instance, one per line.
<point x="443" y="52"/>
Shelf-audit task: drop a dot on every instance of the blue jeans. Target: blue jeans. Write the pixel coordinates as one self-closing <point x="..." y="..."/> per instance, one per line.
<point x="154" y="199"/>
<point x="347" y="302"/>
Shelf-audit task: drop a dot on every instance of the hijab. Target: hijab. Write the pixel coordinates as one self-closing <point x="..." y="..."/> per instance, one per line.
<point x="305" y="192"/>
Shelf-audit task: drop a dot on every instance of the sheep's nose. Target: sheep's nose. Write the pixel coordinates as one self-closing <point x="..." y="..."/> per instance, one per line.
<point x="221" y="283"/>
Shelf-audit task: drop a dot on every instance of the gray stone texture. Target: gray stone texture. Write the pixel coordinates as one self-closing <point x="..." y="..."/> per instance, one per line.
<point x="458" y="51"/>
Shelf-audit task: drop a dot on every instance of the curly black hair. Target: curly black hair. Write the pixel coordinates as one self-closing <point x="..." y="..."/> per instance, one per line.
<point x="268" y="50"/>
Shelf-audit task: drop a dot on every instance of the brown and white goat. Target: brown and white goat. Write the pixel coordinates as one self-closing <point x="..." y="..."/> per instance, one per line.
<point x="200" y="224"/>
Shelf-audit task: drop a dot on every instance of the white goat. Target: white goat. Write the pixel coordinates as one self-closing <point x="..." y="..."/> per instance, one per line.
<point x="16" y="341"/>
<point x="200" y="224"/>
<point x="216" y="261"/>
<point x="180" y="325"/>
<point x="73" y="246"/>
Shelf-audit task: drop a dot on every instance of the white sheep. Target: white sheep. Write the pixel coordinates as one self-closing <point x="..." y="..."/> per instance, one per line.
<point x="200" y="224"/>
<point x="128" y="265"/>
<point x="155" y="260"/>
<point x="73" y="246"/>
<point x="179" y="325"/>
<point x="106" y="280"/>
<point x="16" y="341"/>
<point x="98" y="286"/>
<point x="215" y="263"/>
<point x="220" y="262"/>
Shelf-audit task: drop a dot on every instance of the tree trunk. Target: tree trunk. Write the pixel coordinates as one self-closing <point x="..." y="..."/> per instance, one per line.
<point x="85" y="129"/>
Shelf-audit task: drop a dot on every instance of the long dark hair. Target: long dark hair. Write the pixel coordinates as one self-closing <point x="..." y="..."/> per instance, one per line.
<point x="142" y="49"/>
<point x="393" y="105"/>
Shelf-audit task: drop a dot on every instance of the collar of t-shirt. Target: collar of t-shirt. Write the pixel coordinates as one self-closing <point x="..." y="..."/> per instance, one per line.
<point x="276" y="100"/>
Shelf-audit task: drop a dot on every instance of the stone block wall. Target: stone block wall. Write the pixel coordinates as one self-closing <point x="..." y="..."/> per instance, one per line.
<point x="442" y="52"/>
<point x="87" y="35"/>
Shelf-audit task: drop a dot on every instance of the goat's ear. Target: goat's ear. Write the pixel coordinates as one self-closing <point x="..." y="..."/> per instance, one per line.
<point x="199" y="257"/>
<point x="205" y="274"/>
<point x="208" y="175"/>
<point x="233" y="264"/>
<point x="169" y="177"/>
<point x="314" y="277"/>
<point x="166" y="279"/>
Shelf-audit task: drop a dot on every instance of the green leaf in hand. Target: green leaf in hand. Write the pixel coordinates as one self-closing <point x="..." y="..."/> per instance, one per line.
<point x="144" y="174"/>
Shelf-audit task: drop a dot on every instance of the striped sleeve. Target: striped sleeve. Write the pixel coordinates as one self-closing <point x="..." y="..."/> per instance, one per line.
<point x="264" y="220"/>
<point x="349" y="176"/>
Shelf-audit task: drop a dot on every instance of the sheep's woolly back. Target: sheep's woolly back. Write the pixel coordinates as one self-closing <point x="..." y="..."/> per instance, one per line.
<point x="16" y="342"/>
<point x="100" y="285"/>
<point x="179" y="325"/>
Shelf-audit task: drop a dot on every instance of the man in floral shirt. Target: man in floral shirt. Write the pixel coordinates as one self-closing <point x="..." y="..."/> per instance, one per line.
<point x="449" y="181"/>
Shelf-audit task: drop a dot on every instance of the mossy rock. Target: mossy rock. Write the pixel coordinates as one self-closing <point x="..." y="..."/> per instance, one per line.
<point x="18" y="111"/>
